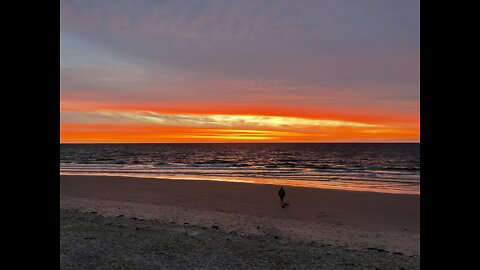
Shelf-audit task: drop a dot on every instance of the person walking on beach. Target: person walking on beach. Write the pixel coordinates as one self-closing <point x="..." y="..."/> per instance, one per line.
<point x="281" y="194"/>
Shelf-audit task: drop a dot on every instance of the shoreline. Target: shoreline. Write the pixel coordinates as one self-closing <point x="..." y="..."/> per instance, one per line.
<point x="353" y="219"/>
<point x="255" y="181"/>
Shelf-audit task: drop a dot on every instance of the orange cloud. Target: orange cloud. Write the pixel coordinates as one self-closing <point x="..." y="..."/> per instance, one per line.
<point x="319" y="112"/>
<point x="92" y="133"/>
<point x="211" y="122"/>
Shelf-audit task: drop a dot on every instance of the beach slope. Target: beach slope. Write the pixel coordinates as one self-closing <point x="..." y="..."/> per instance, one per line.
<point x="347" y="221"/>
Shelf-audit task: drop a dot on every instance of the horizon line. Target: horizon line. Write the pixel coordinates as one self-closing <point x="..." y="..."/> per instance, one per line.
<point x="240" y="142"/>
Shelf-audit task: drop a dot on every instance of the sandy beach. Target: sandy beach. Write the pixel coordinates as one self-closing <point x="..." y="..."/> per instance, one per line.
<point x="363" y="228"/>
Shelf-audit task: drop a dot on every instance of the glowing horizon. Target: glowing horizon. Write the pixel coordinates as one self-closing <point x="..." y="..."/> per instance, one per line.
<point x="239" y="71"/>
<point x="153" y="127"/>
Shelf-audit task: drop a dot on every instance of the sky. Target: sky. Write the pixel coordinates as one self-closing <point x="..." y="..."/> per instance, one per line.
<point x="239" y="71"/>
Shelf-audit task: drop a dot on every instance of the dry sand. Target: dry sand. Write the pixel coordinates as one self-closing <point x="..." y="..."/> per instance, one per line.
<point x="384" y="228"/>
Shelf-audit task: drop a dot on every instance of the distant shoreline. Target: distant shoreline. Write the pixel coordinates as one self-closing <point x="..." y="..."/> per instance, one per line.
<point x="291" y="183"/>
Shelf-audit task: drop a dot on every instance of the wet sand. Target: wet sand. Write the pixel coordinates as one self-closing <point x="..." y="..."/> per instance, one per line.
<point x="349" y="221"/>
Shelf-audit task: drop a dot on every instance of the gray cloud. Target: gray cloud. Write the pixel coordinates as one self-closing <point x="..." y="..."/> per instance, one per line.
<point x="368" y="49"/>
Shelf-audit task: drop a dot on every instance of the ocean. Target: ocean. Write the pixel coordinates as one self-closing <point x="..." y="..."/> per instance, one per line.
<point x="376" y="167"/>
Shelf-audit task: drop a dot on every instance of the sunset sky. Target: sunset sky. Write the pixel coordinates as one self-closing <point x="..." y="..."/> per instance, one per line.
<point x="239" y="71"/>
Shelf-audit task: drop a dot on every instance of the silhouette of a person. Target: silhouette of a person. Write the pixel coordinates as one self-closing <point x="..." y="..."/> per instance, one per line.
<point x="281" y="194"/>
